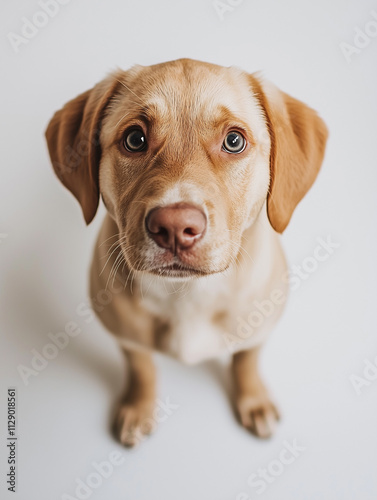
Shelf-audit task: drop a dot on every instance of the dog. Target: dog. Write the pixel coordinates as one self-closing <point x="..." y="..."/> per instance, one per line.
<point x="200" y="168"/>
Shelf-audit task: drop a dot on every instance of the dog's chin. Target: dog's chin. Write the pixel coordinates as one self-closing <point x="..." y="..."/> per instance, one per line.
<point x="177" y="272"/>
<point x="174" y="269"/>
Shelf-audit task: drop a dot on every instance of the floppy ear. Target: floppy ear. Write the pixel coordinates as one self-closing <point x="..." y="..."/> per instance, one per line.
<point x="298" y="139"/>
<point x="73" y="143"/>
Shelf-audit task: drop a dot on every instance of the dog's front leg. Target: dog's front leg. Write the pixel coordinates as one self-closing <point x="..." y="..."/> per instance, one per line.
<point x="134" y="419"/>
<point x="254" y="406"/>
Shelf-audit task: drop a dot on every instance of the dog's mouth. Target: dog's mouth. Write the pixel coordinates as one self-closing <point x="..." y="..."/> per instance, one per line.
<point x="177" y="271"/>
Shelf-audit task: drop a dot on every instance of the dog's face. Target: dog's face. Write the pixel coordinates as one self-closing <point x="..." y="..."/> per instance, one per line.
<point x="184" y="170"/>
<point x="185" y="155"/>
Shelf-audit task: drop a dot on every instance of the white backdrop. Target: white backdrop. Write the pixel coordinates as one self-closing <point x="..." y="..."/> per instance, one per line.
<point x="327" y="334"/>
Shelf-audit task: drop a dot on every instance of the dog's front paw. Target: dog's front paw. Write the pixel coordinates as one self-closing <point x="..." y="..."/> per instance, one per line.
<point x="259" y="415"/>
<point x="133" y="422"/>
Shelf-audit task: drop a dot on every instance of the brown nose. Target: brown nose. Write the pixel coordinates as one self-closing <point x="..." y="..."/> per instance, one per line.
<point x="177" y="226"/>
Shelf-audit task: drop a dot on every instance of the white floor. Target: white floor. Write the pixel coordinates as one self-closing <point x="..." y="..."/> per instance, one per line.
<point x="328" y="331"/>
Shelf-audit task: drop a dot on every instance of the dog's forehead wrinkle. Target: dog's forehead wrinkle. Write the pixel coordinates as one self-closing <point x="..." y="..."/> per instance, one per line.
<point x="184" y="97"/>
<point x="185" y="87"/>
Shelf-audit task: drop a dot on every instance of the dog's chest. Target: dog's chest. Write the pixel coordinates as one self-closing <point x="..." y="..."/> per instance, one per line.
<point x="195" y="314"/>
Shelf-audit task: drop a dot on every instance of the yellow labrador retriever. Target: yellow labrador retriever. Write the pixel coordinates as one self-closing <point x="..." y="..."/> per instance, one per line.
<point x="199" y="167"/>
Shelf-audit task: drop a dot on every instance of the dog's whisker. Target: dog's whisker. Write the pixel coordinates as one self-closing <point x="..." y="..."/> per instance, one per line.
<point x="241" y="248"/>
<point x="111" y="254"/>
<point x="134" y="273"/>
<point x="115" y="273"/>
<point x="152" y="280"/>
<point x="115" y="127"/>
<point x="107" y="239"/>
<point x="130" y="90"/>
<point x="120" y="240"/>
<point x="118" y="244"/>
<point x="118" y="258"/>
<point x="128" y="276"/>
<point x="120" y="254"/>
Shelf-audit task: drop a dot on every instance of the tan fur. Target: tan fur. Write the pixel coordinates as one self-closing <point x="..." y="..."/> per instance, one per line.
<point x="298" y="139"/>
<point x="185" y="109"/>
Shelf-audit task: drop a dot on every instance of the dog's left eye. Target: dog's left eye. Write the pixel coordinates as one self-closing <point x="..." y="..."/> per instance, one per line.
<point x="135" y="140"/>
<point x="234" y="142"/>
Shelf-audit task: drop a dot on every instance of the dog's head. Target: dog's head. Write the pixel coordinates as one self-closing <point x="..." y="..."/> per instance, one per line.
<point x="185" y="155"/>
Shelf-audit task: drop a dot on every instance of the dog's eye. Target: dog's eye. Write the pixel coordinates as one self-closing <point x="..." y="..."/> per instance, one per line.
<point x="234" y="142"/>
<point x="135" y="140"/>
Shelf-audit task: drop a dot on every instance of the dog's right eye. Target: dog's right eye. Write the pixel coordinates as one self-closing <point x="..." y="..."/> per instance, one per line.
<point x="135" y="140"/>
<point x="234" y="142"/>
